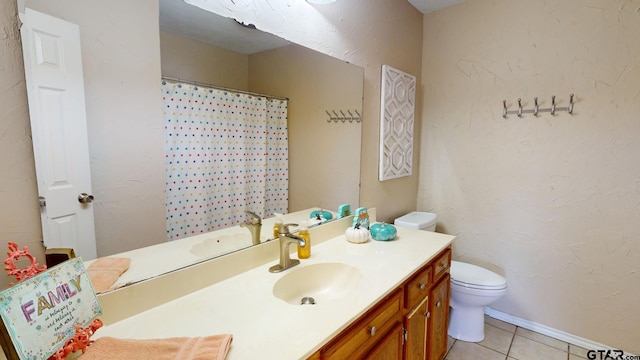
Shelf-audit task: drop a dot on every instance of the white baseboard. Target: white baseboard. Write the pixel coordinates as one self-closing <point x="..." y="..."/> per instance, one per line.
<point x="545" y="330"/>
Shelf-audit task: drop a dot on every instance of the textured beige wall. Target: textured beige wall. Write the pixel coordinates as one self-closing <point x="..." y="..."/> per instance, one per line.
<point x="552" y="202"/>
<point x="19" y="211"/>
<point x="187" y="59"/>
<point x="368" y="33"/>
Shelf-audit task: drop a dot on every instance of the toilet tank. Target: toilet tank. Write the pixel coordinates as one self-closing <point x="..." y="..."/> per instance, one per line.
<point x="418" y="220"/>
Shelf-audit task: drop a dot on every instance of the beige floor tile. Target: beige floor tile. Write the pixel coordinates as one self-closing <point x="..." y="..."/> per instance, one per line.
<point x="577" y="350"/>
<point x="496" y="339"/>
<point x="499" y="324"/>
<point x="575" y="357"/>
<point x="463" y="350"/>
<point x="450" y="342"/>
<point x="547" y="340"/>
<point x="523" y="348"/>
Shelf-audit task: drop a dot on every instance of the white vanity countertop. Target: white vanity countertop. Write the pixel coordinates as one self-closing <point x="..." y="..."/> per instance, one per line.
<point x="265" y="327"/>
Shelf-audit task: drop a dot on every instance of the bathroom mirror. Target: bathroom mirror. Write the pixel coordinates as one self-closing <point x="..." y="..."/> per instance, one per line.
<point x="122" y="61"/>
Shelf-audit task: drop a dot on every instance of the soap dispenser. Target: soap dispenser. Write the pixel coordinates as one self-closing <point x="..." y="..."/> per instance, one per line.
<point x="304" y="252"/>
<point x="276" y="227"/>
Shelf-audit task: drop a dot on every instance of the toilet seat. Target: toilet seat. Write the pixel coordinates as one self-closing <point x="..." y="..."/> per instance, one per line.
<point x="475" y="277"/>
<point x="478" y="287"/>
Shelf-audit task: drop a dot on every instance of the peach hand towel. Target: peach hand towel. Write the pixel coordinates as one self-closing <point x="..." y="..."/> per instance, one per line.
<point x="213" y="347"/>
<point x="105" y="271"/>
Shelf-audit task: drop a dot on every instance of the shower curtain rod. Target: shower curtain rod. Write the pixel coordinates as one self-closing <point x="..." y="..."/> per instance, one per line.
<point x="196" y="83"/>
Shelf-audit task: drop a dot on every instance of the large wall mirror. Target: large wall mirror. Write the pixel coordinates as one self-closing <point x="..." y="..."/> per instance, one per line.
<point x="127" y="46"/>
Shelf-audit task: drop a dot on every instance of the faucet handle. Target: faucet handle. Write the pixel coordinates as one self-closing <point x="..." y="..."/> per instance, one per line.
<point x="284" y="229"/>
<point x="255" y="218"/>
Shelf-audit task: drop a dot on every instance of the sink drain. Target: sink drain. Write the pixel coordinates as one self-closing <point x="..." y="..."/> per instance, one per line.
<point x="307" y="300"/>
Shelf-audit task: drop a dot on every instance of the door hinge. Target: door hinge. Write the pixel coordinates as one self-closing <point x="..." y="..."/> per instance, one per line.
<point x="404" y="335"/>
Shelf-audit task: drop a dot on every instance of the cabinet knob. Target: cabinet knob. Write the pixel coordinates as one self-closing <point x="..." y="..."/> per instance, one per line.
<point x="372" y="331"/>
<point x="427" y="314"/>
<point x="438" y="304"/>
<point x="422" y="286"/>
<point x="445" y="265"/>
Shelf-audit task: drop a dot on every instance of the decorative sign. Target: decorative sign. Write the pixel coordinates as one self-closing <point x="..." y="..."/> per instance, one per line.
<point x="397" y="107"/>
<point x="41" y="313"/>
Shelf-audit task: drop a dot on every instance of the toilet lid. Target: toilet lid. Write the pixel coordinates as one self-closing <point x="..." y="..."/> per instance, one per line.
<point x="475" y="276"/>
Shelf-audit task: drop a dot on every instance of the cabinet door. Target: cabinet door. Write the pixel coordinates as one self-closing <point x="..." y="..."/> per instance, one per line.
<point x="416" y="326"/>
<point x="364" y="334"/>
<point x="390" y="346"/>
<point x="439" y="319"/>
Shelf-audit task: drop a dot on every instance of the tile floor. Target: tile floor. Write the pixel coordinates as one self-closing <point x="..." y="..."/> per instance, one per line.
<point x="504" y="341"/>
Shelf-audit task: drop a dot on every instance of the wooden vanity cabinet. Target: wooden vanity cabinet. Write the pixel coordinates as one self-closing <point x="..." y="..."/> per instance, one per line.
<point x="438" y="319"/>
<point x="439" y="308"/>
<point x="416" y="327"/>
<point x="410" y="323"/>
<point x="427" y="303"/>
<point x="370" y="332"/>
<point x="390" y="346"/>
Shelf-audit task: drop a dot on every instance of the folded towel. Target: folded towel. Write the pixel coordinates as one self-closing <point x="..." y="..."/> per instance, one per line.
<point x="105" y="271"/>
<point x="213" y="347"/>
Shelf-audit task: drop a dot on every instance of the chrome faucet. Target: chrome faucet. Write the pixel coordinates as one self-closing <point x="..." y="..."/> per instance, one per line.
<point x="254" y="227"/>
<point x="286" y="238"/>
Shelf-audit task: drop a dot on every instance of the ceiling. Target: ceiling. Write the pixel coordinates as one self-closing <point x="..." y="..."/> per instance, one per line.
<point x="427" y="6"/>
<point x="180" y="18"/>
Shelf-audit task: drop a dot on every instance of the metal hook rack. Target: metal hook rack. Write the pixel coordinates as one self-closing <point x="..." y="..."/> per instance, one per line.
<point x="536" y="109"/>
<point x="350" y="117"/>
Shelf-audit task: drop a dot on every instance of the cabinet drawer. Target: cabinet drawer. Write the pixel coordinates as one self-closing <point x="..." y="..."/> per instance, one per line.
<point x="441" y="265"/>
<point x="418" y="287"/>
<point x="366" y="331"/>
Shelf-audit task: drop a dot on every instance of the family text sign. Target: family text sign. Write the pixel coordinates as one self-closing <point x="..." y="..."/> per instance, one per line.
<point x="39" y="314"/>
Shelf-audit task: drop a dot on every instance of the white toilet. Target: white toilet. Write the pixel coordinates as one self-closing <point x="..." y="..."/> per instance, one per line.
<point x="472" y="287"/>
<point x="418" y="220"/>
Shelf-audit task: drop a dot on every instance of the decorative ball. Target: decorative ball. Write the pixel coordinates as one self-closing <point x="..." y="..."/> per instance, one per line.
<point x="383" y="232"/>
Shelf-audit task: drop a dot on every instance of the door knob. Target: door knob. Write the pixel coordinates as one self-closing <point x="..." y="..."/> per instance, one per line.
<point x="85" y="198"/>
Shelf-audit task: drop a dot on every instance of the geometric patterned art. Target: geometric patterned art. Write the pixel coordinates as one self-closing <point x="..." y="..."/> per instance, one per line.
<point x="396" y="123"/>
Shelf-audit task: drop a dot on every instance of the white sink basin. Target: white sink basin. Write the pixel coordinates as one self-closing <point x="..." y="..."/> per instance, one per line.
<point x="323" y="282"/>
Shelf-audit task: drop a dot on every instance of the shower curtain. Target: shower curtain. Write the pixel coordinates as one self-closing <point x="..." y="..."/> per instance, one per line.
<point x="225" y="152"/>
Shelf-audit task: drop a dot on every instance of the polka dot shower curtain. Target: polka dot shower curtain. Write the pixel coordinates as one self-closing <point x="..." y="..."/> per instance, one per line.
<point x="225" y="153"/>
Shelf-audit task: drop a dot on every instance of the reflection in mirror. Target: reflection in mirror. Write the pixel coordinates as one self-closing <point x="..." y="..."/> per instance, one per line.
<point x="122" y="68"/>
<point x="314" y="83"/>
<point x="163" y="258"/>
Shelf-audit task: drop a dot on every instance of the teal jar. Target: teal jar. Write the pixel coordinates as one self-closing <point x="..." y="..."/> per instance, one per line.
<point x="383" y="232"/>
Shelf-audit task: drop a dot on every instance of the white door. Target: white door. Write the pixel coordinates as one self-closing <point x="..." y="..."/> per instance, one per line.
<point x="55" y="87"/>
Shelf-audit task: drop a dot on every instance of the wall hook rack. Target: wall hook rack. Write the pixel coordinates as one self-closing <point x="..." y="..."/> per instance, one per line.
<point x="536" y="109"/>
<point x="349" y="116"/>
